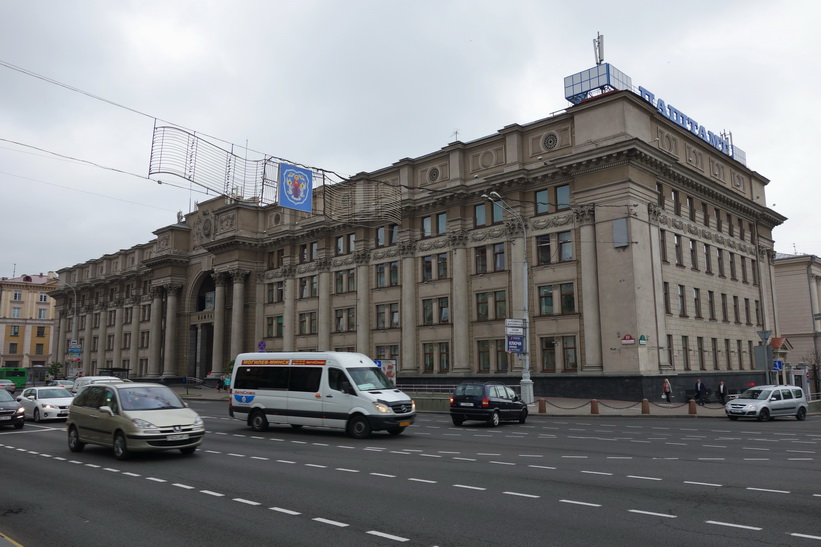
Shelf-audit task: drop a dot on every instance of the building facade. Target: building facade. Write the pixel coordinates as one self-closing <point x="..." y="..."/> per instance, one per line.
<point x="643" y="253"/>
<point x="27" y="321"/>
<point x="798" y="293"/>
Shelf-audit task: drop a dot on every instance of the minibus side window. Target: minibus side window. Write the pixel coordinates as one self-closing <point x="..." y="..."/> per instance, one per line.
<point x="305" y="379"/>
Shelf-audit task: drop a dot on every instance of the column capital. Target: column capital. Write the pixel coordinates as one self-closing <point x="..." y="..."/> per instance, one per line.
<point x="238" y="275"/>
<point x="585" y="214"/>
<point x="458" y="239"/>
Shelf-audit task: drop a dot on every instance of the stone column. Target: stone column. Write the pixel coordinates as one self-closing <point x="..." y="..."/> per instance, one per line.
<point x="118" y="334"/>
<point x="591" y="312"/>
<point x="407" y="250"/>
<point x="363" y="303"/>
<point x="460" y="303"/>
<point x="155" y="334"/>
<point x="325" y="322"/>
<point x="61" y="339"/>
<point x="218" y="361"/>
<point x="170" y="358"/>
<point x="134" y="349"/>
<point x="102" y="334"/>
<point x="238" y="313"/>
<point x="289" y="320"/>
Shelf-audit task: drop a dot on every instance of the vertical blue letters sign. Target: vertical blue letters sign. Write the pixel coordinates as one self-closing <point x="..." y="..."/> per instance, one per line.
<point x="295" y="187"/>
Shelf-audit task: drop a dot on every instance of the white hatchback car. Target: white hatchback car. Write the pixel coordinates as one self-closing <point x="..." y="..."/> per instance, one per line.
<point x="768" y="402"/>
<point x="45" y="403"/>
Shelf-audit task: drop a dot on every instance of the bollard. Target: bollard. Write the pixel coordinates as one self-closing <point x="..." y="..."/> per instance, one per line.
<point x="692" y="404"/>
<point x="645" y="406"/>
<point x="542" y="406"/>
<point x="594" y="406"/>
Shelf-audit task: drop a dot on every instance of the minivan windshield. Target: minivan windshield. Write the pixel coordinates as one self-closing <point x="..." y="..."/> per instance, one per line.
<point x="369" y="378"/>
<point x="758" y="394"/>
<point x="149" y="398"/>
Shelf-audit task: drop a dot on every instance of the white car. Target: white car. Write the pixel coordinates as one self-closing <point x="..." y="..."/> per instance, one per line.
<point x="45" y="403"/>
<point x="767" y="402"/>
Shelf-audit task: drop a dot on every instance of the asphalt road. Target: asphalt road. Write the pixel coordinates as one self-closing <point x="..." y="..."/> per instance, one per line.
<point x="552" y="481"/>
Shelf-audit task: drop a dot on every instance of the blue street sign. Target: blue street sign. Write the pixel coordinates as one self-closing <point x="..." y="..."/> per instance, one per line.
<point x="778" y="365"/>
<point x="515" y="343"/>
<point x="378" y="363"/>
<point x="262" y="345"/>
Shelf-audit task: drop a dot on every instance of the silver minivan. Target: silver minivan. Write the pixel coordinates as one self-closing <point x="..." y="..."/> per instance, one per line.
<point x="768" y="402"/>
<point x="132" y="417"/>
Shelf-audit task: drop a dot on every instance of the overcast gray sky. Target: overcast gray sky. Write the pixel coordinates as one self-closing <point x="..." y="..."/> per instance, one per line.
<point x="356" y="85"/>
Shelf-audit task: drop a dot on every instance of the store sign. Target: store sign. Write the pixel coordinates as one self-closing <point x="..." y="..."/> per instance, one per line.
<point x="680" y="118"/>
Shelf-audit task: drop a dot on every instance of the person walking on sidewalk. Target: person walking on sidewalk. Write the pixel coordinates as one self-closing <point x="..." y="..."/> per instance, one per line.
<point x="219" y="385"/>
<point x="667" y="389"/>
<point x="700" y="392"/>
<point x="722" y="392"/>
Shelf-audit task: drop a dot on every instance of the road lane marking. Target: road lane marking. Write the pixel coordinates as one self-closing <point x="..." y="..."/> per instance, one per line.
<point x="183" y="486"/>
<point x="598" y="473"/>
<point x="286" y="511"/>
<point x="469" y="487"/>
<point x="212" y="493"/>
<point x="383" y="475"/>
<point x="541" y="467"/>
<point x="643" y="478"/>
<point x="155" y="479"/>
<point x="586" y="504"/>
<point x="246" y="502"/>
<point x="331" y="522"/>
<point x="701" y="483"/>
<point x="502" y="463"/>
<point x="316" y="465"/>
<point x="768" y="490"/>
<point x="426" y="481"/>
<point x="731" y="525"/>
<point x="387" y="536"/>
<point x="652" y="514"/>
<point x="521" y="495"/>
<point x="805" y="536"/>
<point x="347" y="470"/>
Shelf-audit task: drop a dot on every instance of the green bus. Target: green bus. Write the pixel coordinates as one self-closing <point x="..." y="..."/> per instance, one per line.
<point x="15" y="374"/>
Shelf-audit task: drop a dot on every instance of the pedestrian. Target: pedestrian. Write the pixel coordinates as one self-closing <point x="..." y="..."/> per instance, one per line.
<point x="722" y="392"/>
<point x="700" y="392"/>
<point x="219" y="385"/>
<point x="227" y="382"/>
<point x="667" y="389"/>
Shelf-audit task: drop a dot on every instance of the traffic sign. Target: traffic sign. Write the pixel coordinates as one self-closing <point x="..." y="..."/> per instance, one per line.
<point x="262" y="345"/>
<point x="778" y="365"/>
<point x="515" y="344"/>
<point x="515" y="330"/>
<point x="515" y="323"/>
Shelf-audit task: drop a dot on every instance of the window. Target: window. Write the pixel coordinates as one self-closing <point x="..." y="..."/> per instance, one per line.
<point x="682" y="303"/>
<point x="568" y="298"/>
<point x="427" y="268"/>
<point x="387" y="352"/>
<point x="387" y="235"/>
<point x="16" y="312"/>
<point x="671" y="354"/>
<point x="754" y="270"/>
<point x="674" y="196"/>
<point x="434" y="225"/>
<point x="548" y="354"/>
<point x="435" y="310"/>
<point x="697" y="302"/>
<point x="345" y="320"/>
<point x="565" y="247"/>
<point x="276" y="259"/>
<point x="484" y="305"/>
<point x="724" y="310"/>
<point x="700" y="350"/>
<point x="429" y="356"/>
<point x="17" y="295"/>
<point x="720" y="260"/>
<point x="543" y="249"/>
<point x="387" y="274"/>
<point x="13" y="348"/>
<point x="498" y="257"/>
<point x="711" y="304"/>
<point x="569" y="352"/>
<point x="562" y="197"/>
<point x="112" y="318"/>
<point x="677" y="247"/>
<point x="387" y="316"/>
<point x="727" y="355"/>
<point x="427" y="311"/>
<point x="546" y="300"/>
<point x="308" y="286"/>
<point x="109" y="342"/>
<point x="444" y="356"/>
<point x="444" y="309"/>
<point x="705" y="214"/>
<point x="732" y="267"/>
<point x="42" y="313"/>
<point x="14" y="330"/>
<point x="747" y="312"/>
<point x="685" y="351"/>
<point x="95" y="321"/>
<point x="743" y="269"/>
<point x="757" y="312"/>
<point x="479" y="215"/>
<point x="270" y="326"/>
<point x="667" y="298"/>
<point x="542" y="202"/>
<point x="41" y="332"/>
<point x="663" y="244"/>
<point x="708" y="262"/>
<point x="126" y="340"/>
<point x="276" y="291"/>
<point x="717" y="217"/>
<point x="43" y="297"/>
<point x="693" y="254"/>
<point x="660" y="194"/>
<point x="492" y="351"/>
<point x="442" y="266"/>
<point x="730" y="225"/>
<point x="480" y="255"/>
<point x="345" y="281"/>
<point x="307" y="323"/>
<point x="691" y="210"/>
<point x="736" y="310"/>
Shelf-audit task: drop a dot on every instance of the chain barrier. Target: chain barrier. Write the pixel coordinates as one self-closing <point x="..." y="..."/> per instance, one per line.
<point x="668" y="405"/>
<point x="567" y="408"/>
<point x="618" y="407"/>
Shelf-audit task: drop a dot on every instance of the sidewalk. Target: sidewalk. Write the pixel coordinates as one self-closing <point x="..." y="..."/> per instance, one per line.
<point x="553" y="406"/>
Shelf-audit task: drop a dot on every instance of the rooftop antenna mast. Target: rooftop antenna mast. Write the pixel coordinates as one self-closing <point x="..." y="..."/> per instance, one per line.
<point x="598" y="48"/>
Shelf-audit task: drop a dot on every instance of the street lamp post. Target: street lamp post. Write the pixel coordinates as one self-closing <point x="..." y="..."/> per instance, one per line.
<point x="526" y="383"/>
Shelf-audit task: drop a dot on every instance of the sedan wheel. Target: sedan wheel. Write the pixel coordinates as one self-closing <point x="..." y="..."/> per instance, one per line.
<point x="764" y="415"/>
<point x="36" y="414"/>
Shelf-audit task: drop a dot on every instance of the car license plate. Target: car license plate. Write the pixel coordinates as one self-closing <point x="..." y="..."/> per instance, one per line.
<point x="5" y="417"/>
<point x="180" y="437"/>
<point x="736" y="412"/>
<point x="465" y="404"/>
<point x="404" y="424"/>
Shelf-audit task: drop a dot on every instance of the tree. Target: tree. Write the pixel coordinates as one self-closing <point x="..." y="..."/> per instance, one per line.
<point x="54" y="369"/>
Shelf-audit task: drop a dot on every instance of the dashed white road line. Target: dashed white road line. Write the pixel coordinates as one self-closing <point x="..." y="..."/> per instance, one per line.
<point x="520" y="494"/>
<point x="246" y="502"/>
<point x="643" y="478"/>
<point x="701" y="483"/>
<point x="587" y="504"/>
<point x="469" y="487"/>
<point x="286" y="511"/>
<point x="387" y="536"/>
<point x="652" y="514"/>
<point x="331" y="522"/>
<point x="771" y="491"/>
<point x="732" y="525"/>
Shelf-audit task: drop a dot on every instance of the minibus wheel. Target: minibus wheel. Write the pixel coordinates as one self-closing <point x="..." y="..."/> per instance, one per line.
<point x="358" y="427"/>
<point x="396" y="430"/>
<point x="258" y="421"/>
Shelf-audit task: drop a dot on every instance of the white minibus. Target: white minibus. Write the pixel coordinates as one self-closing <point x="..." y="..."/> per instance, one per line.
<point x="321" y="388"/>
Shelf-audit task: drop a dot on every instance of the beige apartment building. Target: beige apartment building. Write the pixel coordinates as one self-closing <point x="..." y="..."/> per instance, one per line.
<point x="27" y="321"/>
<point x="798" y="286"/>
<point x="649" y="255"/>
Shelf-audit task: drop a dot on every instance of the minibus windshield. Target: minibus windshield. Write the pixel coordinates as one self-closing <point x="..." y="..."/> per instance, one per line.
<point x="369" y="378"/>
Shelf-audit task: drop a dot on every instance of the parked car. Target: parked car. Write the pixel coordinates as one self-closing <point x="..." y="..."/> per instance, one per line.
<point x="11" y="412"/>
<point x="8" y="385"/>
<point x="45" y="403"/>
<point x="768" y="402"/>
<point x="131" y="417"/>
<point x="491" y="402"/>
<point x="68" y="384"/>
<point x="86" y="380"/>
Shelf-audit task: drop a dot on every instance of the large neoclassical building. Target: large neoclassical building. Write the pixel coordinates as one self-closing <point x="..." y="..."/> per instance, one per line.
<point x="649" y="255"/>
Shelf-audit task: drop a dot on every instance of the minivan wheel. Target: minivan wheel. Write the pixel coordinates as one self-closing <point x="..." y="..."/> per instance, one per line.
<point x="258" y="421"/>
<point x="494" y="419"/>
<point x="523" y="416"/>
<point x="188" y="450"/>
<point x="764" y="415"/>
<point x="74" y="442"/>
<point x="120" y="447"/>
<point x="358" y="427"/>
<point x="802" y="413"/>
<point x="457" y="420"/>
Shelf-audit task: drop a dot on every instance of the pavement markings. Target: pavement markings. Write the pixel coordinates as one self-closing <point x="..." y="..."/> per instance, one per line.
<point x="652" y="514"/>
<point x="387" y="536"/>
<point x="732" y="525"/>
<point x="598" y="473"/>
<point x="285" y="511"/>
<point x="331" y="522"/>
<point x="469" y="487"/>
<point x="805" y="536"/>
<point x="643" y="478"/>
<point x="521" y="495"/>
<point x="183" y="486"/>
<point x="701" y="483"/>
<point x="246" y="502"/>
<point x="771" y="491"/>
<point x="212" y="493"/>
<point x="586" y="504"/>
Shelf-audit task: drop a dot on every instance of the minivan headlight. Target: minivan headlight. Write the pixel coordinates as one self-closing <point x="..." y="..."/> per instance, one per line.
<point x="382" y="407"/>
<point x="143" y="424"/>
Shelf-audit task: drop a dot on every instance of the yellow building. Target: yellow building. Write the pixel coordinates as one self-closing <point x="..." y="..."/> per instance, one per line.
<point x="27" y="321"/>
